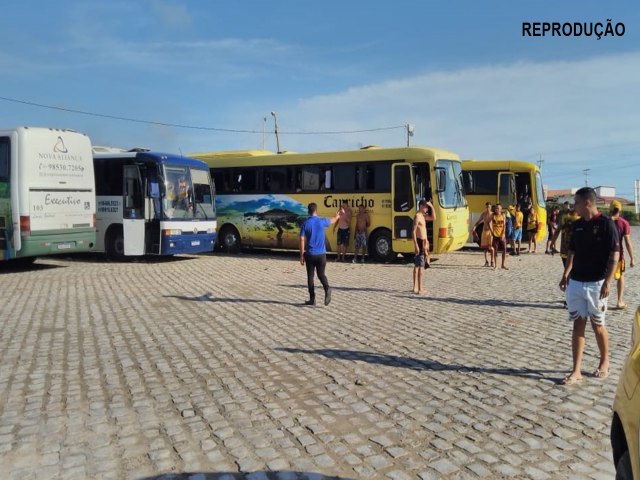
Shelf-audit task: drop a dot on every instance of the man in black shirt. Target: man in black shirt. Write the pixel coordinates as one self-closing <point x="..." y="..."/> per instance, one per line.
<point x="593" y="255"/>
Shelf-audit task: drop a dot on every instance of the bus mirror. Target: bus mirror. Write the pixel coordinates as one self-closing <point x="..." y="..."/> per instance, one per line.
<point x="441" y="180"/>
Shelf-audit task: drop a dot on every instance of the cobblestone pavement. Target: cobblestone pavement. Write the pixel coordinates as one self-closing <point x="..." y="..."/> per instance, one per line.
<point x="210" y="367"/>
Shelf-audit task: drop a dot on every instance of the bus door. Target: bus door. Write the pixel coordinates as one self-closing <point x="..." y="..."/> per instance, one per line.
<point x="506" y="189"/>
<point x="133" y="221"/>
<point x="403" y="207"/>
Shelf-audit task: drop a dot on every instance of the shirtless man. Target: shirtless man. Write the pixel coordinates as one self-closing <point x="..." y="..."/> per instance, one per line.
<point x="362" y="224"/>
<point x="344" y="222"/>
<point x="486" y="238"/>
<point x="421" y="243"/>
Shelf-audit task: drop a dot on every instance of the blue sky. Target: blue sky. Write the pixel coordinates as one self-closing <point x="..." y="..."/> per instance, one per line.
<point x="460" y="71"/>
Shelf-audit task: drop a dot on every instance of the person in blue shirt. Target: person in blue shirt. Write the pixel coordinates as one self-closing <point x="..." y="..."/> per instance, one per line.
<point x="313" y="251"/>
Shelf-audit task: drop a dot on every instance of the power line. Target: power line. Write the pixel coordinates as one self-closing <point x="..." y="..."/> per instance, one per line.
<point x="193" y="127"/>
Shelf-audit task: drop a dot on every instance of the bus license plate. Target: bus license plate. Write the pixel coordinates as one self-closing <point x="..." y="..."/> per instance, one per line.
<point x="195" y="243"/>
<point x="64" y="246"/>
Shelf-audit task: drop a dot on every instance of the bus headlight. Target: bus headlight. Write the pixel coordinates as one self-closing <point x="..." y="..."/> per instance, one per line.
<point x="211" y="230"/>
<point x="174" y="231"/>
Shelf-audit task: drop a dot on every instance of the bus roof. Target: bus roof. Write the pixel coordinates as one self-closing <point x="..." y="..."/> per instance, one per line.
<point x="367" y="154"/>
<point x="507" y="165"/>
<point x="153" y="156"/>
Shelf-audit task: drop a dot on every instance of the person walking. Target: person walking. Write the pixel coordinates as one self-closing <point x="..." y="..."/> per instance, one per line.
<point x="594" y="249"/>
<point x="624" y="232"/>
<point x="421" y="242"/>
<point x="313" y="251"/>
<point x="485" y="234"/>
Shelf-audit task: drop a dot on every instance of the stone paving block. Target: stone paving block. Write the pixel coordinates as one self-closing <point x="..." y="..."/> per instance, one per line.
<point x="127" y="372"/>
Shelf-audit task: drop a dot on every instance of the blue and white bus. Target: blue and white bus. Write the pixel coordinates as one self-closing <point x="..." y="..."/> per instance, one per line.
<point x="152" y="204"/>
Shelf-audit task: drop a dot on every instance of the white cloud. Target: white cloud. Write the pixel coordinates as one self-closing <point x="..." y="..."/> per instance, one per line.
<point x="570" y="111"/>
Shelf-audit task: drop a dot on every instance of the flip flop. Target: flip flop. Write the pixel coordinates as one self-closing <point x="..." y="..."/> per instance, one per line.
<point x="569" y="380"/>
<point x="601" y="373"/>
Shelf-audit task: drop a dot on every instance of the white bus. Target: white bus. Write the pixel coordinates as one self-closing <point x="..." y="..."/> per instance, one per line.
<point x="47" y="193"/>
<point x="152" y="204"/>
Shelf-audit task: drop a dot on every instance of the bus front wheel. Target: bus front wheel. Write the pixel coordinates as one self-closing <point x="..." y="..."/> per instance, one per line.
<point x="381" y="247"/>
<point x="115" y="245"/>
<point x="229" y="240"/>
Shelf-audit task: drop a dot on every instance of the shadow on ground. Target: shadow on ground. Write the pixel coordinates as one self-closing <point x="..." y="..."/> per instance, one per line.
<point x="494" y="302"/>
<point x="261" y="475"/>
<point x="208" y="297"/>
<point x="425" y="364"/>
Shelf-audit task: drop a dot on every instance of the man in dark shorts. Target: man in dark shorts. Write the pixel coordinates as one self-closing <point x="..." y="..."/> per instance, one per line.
<point x="594" y="249"/>
<point x="313" y="251"/>
<point x="344" y="222"/>
<point x="498" y="227"/>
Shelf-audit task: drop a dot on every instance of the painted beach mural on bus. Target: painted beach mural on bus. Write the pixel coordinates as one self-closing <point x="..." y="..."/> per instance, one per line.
<point x="270" y="221"/>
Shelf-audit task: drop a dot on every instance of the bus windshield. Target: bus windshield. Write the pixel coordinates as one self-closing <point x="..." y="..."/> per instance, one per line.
<point x="451" y="193"/>
<point x="539" y="190"/>
<point x="188" y="193"/>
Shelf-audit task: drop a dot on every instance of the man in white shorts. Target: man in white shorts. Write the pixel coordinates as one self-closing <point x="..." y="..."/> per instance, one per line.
<point x="594" y="249"/>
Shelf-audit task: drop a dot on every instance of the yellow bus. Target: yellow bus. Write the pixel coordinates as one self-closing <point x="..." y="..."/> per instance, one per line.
<point x="508" y="182"/>
<point x="262" y="197"/>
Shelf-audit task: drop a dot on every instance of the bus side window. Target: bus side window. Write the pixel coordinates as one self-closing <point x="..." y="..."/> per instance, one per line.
<point x="246" y="180"/>
<point x="294" y="179"/>
<point x="467" y="178"/>
<point x="327" y="179"/>
<point x="361" y="177"/>
<point x="382" y="177"/>
<point x="266" y="180"/>
<point x="276" y="179"/>
<point x="133" y="194"/>
<point x="310" y="178"/>
<point x="4" y="159"/>
<point x="219" y="180"/>
<point x="369" y="177"/>
<point x="344" y="177"/>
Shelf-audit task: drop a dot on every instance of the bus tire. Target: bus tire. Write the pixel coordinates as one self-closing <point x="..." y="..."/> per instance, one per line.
<point x="114" y="248"/>
<point x="381" y="247"/>
<point x="229" y="239"/>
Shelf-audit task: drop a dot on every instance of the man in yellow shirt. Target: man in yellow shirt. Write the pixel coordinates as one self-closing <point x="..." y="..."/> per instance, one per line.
<point x="498" y="227"/>
<point x="518" y="218"/>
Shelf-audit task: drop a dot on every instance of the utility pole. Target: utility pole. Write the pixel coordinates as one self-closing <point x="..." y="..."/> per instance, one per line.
<point x="275" y="120"/>
<point x="264" y="127"/>
<point x="586" y="176"/>
<point x="410" y="130"/>
<point x="540" y="162"/>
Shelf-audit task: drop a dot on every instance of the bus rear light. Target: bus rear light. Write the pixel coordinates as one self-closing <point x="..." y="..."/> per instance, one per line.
<point x="95" y="222"/>
<point x="442" y="232"/>
<point x="25" y="225"/>
<point x="173" y="232"/>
